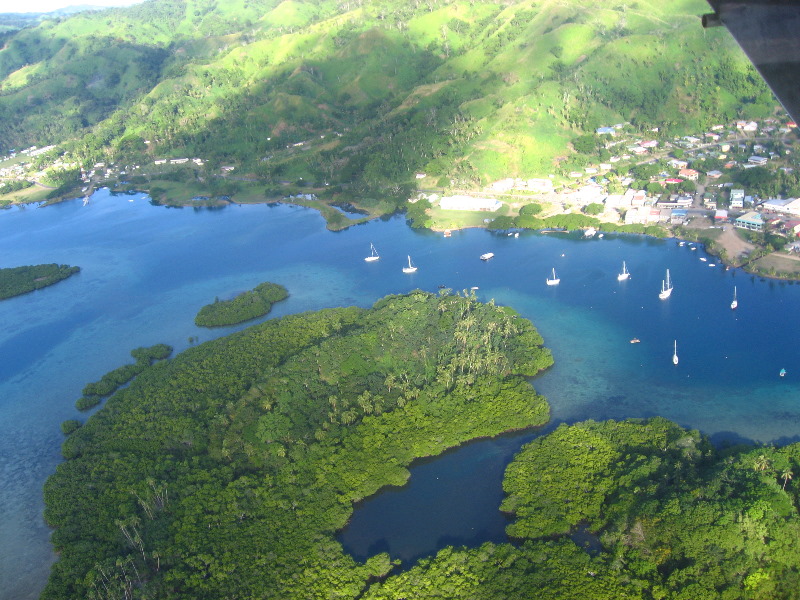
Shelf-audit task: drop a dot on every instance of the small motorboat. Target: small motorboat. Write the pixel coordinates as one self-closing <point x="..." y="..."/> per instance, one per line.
<point x="635" y="341"/>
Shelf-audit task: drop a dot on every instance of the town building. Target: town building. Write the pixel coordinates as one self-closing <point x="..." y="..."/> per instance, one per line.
<point x="461" y="202"/>
<point x="751" y="221"/>
<point x="776" y="204"/>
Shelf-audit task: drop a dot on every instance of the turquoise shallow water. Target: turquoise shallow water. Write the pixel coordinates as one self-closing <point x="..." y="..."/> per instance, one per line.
<point x="146" y="271"/>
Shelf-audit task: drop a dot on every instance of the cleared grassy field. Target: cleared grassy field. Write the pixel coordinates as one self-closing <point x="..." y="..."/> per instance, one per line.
<point x="778" y="264"/>
<point x="28" y="195"/>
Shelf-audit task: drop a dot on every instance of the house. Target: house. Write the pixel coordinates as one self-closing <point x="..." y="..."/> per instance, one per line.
<point x="757" y="160"/>
<point x="720" y="215"/>
<point x="737" y="198"/>
<point x="606" y="131"/>
<point x="460" y="202"/>
<point x="689" y="174"/>
<point x="678" y="163"/>
<point x="714" y="174"/>
<point x="636" y="216"/>
<point x="792" y="227"/>
<point x="675" y="201"/>
<point x="679" y="215"/>
<point x="638" y="198"/>
<point x="751" y="221"/>
<point x="747" y="126"/>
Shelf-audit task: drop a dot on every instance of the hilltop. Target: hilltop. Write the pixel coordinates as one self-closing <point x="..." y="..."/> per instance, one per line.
<point x="358" y="96"/>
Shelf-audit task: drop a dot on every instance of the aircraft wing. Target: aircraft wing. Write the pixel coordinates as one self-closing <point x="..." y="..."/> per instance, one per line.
<point x="769" y="33"/>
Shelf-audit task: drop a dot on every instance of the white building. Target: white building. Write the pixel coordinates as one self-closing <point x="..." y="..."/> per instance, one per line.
<point x="775" y="204"/>
<point x="793" y="207"/>
<point x="461" y="202"/>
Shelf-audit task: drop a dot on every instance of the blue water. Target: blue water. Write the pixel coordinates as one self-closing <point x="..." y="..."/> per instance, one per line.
<point x="147" y="270"/>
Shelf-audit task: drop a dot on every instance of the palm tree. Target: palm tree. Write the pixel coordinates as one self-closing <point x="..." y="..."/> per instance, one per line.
<point x="762" y="463"/>
<point x="786" y="475"/>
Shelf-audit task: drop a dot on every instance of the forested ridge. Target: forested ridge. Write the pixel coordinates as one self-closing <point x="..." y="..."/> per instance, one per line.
<point x="363" y="94"/>
<point x="225" y="471"/>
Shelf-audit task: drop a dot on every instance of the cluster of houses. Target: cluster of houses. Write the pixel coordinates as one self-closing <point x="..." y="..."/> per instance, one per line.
<point x="179" y="161"/>
<point x="20" y="171"/>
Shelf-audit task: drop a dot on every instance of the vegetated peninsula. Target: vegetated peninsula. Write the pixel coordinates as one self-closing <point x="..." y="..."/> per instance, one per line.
<point x="247" y="305"/>
<point x="226" y="471"/>
<point x="21" y="280"/>
<point x="630" y="510"/>
<point x="110" y="382"/>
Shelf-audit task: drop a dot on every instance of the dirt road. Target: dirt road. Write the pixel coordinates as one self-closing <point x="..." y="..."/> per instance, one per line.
<point x="733" y="244"/>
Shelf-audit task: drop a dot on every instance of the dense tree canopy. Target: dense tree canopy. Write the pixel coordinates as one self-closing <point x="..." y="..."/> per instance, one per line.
<point x="21" y="280"/>
<point x="247" y="305"/>
<point x="225" y="471"/>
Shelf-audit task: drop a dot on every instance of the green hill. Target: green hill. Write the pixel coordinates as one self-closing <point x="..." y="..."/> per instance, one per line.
<point x="365" y="93"/>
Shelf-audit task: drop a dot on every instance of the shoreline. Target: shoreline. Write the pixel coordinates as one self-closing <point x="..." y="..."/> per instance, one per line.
<point x="721" y="248"/>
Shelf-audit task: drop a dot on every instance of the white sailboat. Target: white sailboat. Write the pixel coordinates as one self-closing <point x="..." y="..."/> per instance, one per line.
<point x="373" y="254"/>
<point x="666" y="288"/>
<point x="735" y="302"/>
<point x="410" y="268"/>
<point x="624" y="275"/>
<point x="675" y="354"/>
<point x="555" y="280"/>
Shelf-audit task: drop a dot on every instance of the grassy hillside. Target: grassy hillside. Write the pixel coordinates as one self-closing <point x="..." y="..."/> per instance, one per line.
<point x="464" y="90"/>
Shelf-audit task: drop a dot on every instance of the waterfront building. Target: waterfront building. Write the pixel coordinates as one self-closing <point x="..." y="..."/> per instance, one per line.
<point x="461" y="202"/>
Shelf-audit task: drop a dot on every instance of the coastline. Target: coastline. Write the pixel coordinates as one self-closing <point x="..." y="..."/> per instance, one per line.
<point x="721" y="242"/>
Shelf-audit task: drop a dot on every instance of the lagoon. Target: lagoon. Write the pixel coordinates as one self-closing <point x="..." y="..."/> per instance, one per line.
<point x="146" y="270"/>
